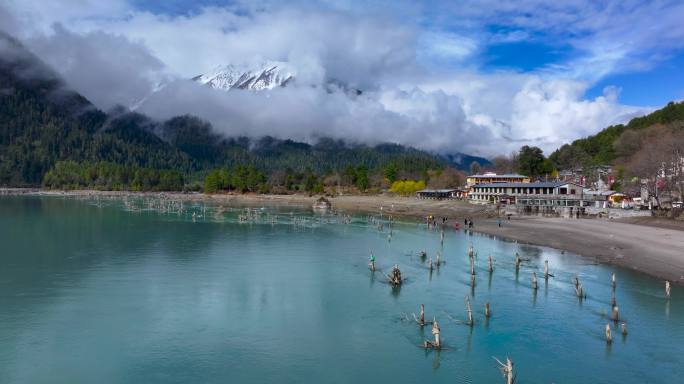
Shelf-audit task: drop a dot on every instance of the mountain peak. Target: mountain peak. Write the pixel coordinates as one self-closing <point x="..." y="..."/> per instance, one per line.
<point x="265" y="75"/>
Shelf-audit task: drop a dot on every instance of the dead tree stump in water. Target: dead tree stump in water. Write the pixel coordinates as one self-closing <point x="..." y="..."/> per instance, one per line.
<point x="470" y="321"/>
<point x="615" y="314"/>
<point x="490" y="264"/>
<point x="517" y="261"/>
<point x="534" y="281"/>
<point x="488" y="312"/>
<point x="546" y="269"/>
<point x="623" y="329"/>
<point x="437" y="344"/>
<point x="667" y="289"/>
<point x="395" y="278"/>
<point x="421" y="318"/>
<point x="506" y="370"/>
<point x="579" y="290"/>
<point x="609" y="336"/>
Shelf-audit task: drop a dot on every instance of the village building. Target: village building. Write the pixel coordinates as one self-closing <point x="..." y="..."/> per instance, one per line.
<point x="440" y="194"/>
<point x="491" y="177"/>
<point x="537" y="197"/>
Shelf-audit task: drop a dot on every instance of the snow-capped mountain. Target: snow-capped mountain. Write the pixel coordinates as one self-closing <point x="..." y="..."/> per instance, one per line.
<point x="267" y="75"/>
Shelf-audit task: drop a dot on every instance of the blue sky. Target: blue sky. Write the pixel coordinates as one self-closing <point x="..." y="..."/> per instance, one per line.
<point x="656" y="86"/>
<point x="476" y="76"/>
<point x="534" y="51"/>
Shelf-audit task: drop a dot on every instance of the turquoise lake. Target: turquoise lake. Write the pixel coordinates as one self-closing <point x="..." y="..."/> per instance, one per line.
<point x="119" y="291"/>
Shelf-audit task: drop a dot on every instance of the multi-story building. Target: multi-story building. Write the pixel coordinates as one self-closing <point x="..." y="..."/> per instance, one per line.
<point x="491" y="177"/>
<point x="537" y="195"/>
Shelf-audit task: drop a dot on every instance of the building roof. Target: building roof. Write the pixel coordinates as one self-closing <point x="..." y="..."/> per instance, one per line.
<point x="495" y="176"/>
<point x="544" y="184"/>
<point x="599" y="193"/>
<point x="436" y="190"/>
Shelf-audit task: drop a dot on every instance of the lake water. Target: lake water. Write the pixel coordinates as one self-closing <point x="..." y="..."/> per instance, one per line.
<point x="103" y="292"/>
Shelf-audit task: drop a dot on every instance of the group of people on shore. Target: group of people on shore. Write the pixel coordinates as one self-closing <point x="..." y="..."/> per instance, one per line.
<point x="431" y="222"/>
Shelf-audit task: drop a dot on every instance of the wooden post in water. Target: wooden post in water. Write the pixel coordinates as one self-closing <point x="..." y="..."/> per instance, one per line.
<point x="609" y="336"/>
<point x="439" y="259"/>
<point x="615" y="314"/>
<point x="517" y="261"/>
<point x="613" y="281"/>
<point x="472" y="266"/>
<point x="421" y="318"/>
<point x="579" y="290"/>
<point x="430" y="264"/>
<point x="534" y="281"/>
<point x="546" y="269"/>
<point x="490" y="264"/>
<point x="667" y="289"/>
<point x="371" y="264"/>
<point x="470" y="311"/>
<point x="488" y="313"/>
<point x="613" y="300"/>
<point x="623" y="329"/>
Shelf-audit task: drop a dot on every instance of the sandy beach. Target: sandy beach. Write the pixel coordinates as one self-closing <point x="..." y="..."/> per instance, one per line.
<point x="654" y="247"/>
<point x="656" y="251"/>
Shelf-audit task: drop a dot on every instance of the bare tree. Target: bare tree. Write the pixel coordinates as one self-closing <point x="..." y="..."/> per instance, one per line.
<point x="475" y="168"/>
<point x="505" y="164"/>
<point x="447" y="178"/>
<point x="659" y="164"/>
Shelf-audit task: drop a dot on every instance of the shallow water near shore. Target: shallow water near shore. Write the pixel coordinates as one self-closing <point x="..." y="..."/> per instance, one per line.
<point x="121" y="291"/>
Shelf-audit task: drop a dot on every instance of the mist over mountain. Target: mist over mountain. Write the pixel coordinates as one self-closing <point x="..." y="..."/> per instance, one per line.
<point x="44" y="124"/>
<point x="264" y="76"/>
<point x="467" y="87"/>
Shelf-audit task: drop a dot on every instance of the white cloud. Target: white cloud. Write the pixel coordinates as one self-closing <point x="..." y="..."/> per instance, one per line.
<point x="447" y="46"/>
<point x="115" y="53"/>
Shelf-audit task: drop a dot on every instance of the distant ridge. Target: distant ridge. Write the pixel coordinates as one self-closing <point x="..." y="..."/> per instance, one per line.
<point x="462" y="161"/>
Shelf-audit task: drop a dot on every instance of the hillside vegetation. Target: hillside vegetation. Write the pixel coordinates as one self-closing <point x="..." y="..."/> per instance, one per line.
<point x="604" y="147"/>
<point x="54" y="137"/>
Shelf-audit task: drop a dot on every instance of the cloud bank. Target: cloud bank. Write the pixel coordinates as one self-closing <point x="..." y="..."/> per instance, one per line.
<point x="423" y="83"/>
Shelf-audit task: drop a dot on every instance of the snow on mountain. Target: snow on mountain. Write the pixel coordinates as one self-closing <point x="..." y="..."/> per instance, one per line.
<point x="267" y="75"/>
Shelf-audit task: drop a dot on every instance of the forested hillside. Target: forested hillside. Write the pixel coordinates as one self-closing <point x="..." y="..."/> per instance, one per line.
<point x="54" y="137"/>
<point x="604" y="147"/>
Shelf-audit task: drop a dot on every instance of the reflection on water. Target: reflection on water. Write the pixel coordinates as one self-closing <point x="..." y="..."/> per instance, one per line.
<point x="143" y="290"/>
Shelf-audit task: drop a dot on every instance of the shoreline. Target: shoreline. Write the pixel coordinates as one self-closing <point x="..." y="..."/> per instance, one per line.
<point x="655" y="250"/>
